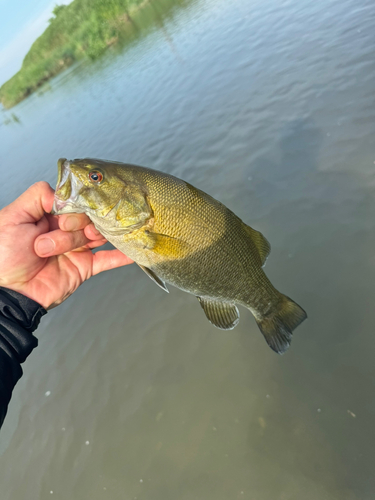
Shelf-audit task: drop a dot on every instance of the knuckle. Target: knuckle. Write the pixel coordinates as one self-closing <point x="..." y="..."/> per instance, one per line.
<point x="64" y="242"/>
<point x="79" y="239"/>
<point x="40" y="186"/>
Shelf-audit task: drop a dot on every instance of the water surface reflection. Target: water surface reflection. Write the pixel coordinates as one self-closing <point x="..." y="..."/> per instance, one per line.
<point x="268" y="107"/>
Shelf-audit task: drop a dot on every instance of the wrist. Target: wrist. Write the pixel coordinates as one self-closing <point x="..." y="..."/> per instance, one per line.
<point x="18" y="289"/>
<point x="23" y="309"/>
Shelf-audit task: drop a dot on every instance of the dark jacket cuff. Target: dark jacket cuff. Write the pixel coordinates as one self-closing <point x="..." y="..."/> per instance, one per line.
<point x="19" y="317"/>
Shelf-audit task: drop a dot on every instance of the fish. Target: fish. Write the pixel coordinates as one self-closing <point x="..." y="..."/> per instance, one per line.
<point x="181" y="236"/>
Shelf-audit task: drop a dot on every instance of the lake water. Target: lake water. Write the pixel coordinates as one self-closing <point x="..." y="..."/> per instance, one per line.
<point x="269" y="106"/>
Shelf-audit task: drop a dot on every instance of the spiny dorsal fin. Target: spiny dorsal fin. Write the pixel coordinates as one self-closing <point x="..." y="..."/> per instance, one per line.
<point x="223" y="315"/>
<point x="260" y="242"/>
<point x="154" y="278"/>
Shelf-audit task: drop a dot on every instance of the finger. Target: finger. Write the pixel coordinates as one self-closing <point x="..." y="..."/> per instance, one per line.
<point x="97" y="243"/>
<point x="53" y="221"/>
<point x="31" y="205"/>
<point x="58" y="242"/>
<point x="94" y="244"/>
<point x="73" y="222"/>
<point x="43" y="225"/>
<point x="92" y="233"/>
<point x="109" y="259"/>
<point x="67" y="222"/>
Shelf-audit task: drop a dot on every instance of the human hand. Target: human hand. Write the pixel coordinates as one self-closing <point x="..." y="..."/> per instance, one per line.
<point x="47" y="257"/>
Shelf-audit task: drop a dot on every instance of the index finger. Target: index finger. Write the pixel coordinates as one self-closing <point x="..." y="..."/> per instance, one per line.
<point x="73" y="222"/>
<point x="31" y="205"/>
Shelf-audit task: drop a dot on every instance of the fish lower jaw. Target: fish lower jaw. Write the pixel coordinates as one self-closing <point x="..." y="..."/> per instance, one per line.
<point x="64" y="207"/>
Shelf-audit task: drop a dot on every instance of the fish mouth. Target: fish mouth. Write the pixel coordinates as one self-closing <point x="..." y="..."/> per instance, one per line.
<point x="67" y="190"/>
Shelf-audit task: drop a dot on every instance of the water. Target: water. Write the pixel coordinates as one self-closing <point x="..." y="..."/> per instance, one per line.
<point x="132" y="394"/>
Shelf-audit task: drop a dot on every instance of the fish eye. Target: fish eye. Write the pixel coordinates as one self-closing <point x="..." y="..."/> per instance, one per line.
<point x="95" y="176"/>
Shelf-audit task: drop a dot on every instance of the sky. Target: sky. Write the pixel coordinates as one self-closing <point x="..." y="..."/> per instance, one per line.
<point x="21" y="23"/>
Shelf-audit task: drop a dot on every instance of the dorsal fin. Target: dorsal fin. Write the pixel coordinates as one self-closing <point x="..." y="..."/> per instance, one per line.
<point x="223" y="315"/>
<point x="260" y="242"/>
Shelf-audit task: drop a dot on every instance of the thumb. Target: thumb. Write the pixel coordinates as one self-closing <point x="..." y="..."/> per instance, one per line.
<point x="31" y="205"/>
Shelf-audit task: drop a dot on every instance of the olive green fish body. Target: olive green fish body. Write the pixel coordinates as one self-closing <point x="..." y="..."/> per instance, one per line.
<point x="200" y="245"/>
<point x="182" y="236"/>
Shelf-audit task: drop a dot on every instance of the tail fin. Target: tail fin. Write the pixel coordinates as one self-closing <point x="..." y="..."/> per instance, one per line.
<point x="277" y="328"/>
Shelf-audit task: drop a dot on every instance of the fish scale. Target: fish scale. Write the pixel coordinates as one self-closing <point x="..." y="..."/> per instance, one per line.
<point x="182" y="236"/>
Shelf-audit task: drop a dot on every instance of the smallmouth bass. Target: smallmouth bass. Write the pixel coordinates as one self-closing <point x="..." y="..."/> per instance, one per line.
<point x="180" y="235"/>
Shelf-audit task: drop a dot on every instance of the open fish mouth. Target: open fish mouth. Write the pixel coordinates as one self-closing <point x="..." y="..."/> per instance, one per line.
<point x="67" y="189"/>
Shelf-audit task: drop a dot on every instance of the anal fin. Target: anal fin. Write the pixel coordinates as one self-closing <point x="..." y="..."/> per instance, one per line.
<point x="154" y="278"/>
<point x="223" y="315"/>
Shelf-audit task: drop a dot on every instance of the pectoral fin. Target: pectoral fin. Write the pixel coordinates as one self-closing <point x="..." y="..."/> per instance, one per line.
<point x="162" y="244"/>
<point x="154" y="278"/>
<point x="223" y="315"/>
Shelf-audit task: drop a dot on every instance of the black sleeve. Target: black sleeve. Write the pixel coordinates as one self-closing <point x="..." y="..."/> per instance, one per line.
<point x="19" y="317"/>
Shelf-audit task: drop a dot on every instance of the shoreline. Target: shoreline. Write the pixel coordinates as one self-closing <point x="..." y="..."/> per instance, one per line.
<point x="36" y="70"/>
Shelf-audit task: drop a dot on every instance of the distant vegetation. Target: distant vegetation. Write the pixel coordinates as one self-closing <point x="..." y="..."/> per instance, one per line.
<point x="84" y="28"/>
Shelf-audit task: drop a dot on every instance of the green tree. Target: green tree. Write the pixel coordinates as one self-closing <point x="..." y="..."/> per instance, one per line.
<point x="56" y="11"/>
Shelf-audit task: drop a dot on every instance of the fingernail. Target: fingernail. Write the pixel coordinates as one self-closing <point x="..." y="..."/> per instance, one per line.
<point x="45" y="246"/>
<point x="71" y="223"/>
